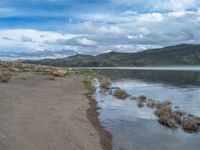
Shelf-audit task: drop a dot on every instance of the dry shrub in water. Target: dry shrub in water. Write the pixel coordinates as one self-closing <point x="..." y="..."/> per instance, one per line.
<point x="141" y="100"/>
<point x="140" y="104"/>
<point x="105" y="82"/>
<point x="5" y="76"/>
<point x="168" y="121"/>
<point x="165" y="115"/>
<point x="160" y="105"/>
<point x="121" y="94"/>
<point x="177" y="117"/>
<point x="162" y="111"/>
<point x="189" y="125"/>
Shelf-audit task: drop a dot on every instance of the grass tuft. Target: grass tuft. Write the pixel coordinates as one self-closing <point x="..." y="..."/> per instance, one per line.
<point x="89" y="85"/>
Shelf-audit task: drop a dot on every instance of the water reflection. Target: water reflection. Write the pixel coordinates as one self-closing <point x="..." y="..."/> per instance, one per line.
<point x="175" y="78"/>
<point x="137" y="128"/>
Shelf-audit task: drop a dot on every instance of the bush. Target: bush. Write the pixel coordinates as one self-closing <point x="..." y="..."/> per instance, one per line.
<point x="177" y="117"/>
<point x="89" y="85"/>
<point x="5" y="76"/>
<point x="142" y="98"/>
<point x="121" y="94"/>
<point x="168" y="121"/>
<point x="189" y="125"/>
<point x="59" y="73"/>
<point x="160" y="105"/>
<point x="105" y="82"/>
<point x="140" y="104"/>
<point x="166" y="116"/>
<point x="165" y="110"/>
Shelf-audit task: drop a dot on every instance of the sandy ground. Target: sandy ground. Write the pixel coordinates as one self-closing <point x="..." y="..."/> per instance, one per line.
<point x="43" y="114"/>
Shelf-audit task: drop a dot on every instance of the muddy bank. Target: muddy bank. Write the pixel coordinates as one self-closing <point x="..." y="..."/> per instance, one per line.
<point x="92" y="115"/>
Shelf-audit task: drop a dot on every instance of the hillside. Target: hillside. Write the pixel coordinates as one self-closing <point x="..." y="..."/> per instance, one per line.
<point x="184" y="54"/>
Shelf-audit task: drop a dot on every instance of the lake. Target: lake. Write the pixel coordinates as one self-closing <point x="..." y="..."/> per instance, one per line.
<point x="135" y="128"/>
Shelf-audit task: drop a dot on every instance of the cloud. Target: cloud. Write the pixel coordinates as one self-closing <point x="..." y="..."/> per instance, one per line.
<point x="86" y="42"/>
<point x="93" y="27"/>
<point x="175" y="5"/>
<point x="6" y="38"/>
<point x="26" y="39"/>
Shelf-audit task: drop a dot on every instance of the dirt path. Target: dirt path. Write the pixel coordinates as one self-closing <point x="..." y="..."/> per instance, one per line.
<point x="42" y="114"/>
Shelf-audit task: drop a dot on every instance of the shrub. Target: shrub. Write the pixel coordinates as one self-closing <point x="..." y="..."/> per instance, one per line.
<point x="166" y="116"/>
<point x="140" y="104"/>
<point x="59" y="73"/>
<point x="162" y="104"/>
<point x="88" y="84"/>
<point x="168" y="121"/>
<point x="140" y="101"/>
<point x="105" y="82"/>
<point x="189" y="125"/>
<point x="142" y="98"/>
<point x="177" y="117"/>
<point x="5" y="76"/>
<point x="165" y="110"/>
<point x="121" y="94"/>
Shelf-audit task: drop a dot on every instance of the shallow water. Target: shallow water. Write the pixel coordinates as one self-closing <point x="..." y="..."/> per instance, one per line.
<point x="136" y="128"/>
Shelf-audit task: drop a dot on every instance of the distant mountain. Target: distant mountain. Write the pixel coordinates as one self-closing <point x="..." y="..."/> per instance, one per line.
<point x="36" y="54"/>
<point x="184" y="54"/>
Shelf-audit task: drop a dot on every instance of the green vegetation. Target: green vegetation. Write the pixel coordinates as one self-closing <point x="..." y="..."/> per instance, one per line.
<point x="89" y="85"/>
<point x="174" y="55"/>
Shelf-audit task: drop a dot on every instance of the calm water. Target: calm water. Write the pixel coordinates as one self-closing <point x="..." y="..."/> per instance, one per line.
<point x="136" y="128"/>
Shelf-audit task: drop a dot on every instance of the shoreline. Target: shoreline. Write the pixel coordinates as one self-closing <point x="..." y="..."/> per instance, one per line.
<point x="92" y="115"/>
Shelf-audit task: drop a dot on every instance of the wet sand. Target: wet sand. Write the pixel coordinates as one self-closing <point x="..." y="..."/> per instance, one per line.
<point x="37" y="113"/>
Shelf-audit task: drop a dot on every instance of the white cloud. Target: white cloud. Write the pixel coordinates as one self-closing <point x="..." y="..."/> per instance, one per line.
<point x="31" y="39"/>
<point x="152" y="17"/>
<point x="174" y="5"/>
<point x="86" y="42"/>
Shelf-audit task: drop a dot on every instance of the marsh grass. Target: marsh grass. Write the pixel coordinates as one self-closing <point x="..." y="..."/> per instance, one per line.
<point x="89" y="85"/>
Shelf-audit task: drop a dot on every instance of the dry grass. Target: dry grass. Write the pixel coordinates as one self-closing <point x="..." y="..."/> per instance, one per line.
<point x="121" y="94"/>
<point x="168" y="121"/>
<point x="160" y="105"/>
<point x="5" y="76"/>
<point x="189" y="125"/>
<point x="142" y="98"/>
<point x="177" y="117"/>
<point x="105" y="82"/>
<point x="140" y="104"/>
<point x="162" y="111"/>
<point x="166" y="116"/>
<point x="59" y="73"/>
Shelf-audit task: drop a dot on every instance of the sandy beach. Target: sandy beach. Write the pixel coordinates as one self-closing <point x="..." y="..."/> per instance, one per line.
<point x="39" y="113"/>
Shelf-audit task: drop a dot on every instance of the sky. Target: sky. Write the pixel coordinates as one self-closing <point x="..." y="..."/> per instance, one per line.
<point x="36" y="29"/>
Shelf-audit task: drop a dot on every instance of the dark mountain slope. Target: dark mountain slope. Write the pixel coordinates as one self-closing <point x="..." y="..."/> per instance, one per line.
<point x="174" y="55"/>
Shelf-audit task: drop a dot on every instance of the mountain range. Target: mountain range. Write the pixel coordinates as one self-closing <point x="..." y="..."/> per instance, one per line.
<point x="184" y="54"/>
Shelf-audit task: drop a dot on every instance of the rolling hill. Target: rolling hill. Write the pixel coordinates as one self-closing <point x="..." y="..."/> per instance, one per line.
<point x="185" y="54"/>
